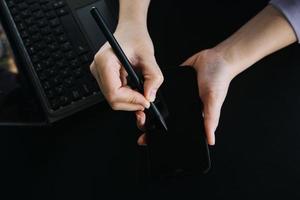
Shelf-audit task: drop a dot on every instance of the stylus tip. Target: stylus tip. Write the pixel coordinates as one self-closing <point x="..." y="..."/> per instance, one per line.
<point x="164" y="124"/>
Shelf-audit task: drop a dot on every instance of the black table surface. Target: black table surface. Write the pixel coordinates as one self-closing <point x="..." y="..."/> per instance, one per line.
<point x="93" y="155"/>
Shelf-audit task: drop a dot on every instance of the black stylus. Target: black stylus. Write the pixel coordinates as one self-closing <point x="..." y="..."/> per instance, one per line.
<point x="138" y="84"/>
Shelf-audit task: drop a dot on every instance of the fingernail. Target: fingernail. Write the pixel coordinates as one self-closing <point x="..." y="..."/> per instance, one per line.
<point x="139" y="118"/>
<point x="152" y="95"/>
<point x="148" y="105"/>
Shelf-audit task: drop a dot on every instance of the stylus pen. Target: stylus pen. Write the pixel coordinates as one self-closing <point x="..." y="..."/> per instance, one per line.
<point x="133" y="77"/>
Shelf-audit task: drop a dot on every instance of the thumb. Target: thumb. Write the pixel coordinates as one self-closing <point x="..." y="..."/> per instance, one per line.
<point x="153" y="78"/>
<point x="190" y="61"/>
<point x="212" y="109"/>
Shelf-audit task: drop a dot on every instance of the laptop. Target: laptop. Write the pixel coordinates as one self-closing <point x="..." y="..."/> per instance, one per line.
<point x="53" y="43"/>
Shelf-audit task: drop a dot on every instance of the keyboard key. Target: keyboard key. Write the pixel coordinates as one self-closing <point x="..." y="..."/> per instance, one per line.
<point x="64" y="100"/>
<point x="74" y="63"/>
<point x="25" y="14"/>
<point x="48" y="63"/>
<point x="21" y="26"/>
<point x="40" y="46"/>
<point x="42" y="76"/>
<point x="57" y="80"/>
<point x="69" y="82"/>
<point x="62" y="11"/>
<point x="44" y="54"/>
<point x="62" y="38"/>
<point x="54" y="22"/>
<point x="76" y="94"/>
<point x="42" y="23"/>
<point x="70" y="55"/>
<point x="49" y="39"/>
<point x="58" y="4"/>
<point x="42" y="2"/>
<point x="38" y="67"/>
<point x="86" y="89"/>
<point x="18" y="18"/>
<point x="67" y="46"/>
<point x="81" y="49"/>
<point x="35" y="7"/>
<point x="38" y="14"/>
<point x="57" y="55"/>
<point x="35" y="59"/>
<point x="66" y="73"/>
<point x="46" y="31"/>
<point x="33" y="29"/>
<point x="24" y="34"/>
<point x="46" y="85"/>
<point x="30" y="1"/>
<point x="86" y="59"/>
<point x="58" y="30"/>
<point x="22" y="6"/>
<point x="50" y="94"/>
<point x="55" y="104"/>
<point x="14" y="11"/>
<point x="61" y="65"/>
<point x="59" y="90"/>
<point x="29" y="21"/>
<point x="27" y="42"/>
<point x="32" y="50"/>
<point x="46" y="7"/>
<point x="53" y="47"/>
<point x="51" y="72"/>
<point x="50" y="14"/>
<point x="37" y="37"/>
<point x="78" y="72"/>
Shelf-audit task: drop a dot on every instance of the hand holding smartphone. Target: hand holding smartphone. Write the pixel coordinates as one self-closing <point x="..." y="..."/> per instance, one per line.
<point x="183" y="150"/>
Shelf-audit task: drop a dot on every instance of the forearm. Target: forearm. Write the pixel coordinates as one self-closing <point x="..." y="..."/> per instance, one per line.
<point x="266" y="33"/>
<point x="133" y="11"/>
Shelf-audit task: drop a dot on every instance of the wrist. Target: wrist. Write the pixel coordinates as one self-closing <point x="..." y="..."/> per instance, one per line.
<point x="132" y="25"/>
<point x="133" y="12"/>
<point x="237" y="57"/>
<point x="133" y="18"/>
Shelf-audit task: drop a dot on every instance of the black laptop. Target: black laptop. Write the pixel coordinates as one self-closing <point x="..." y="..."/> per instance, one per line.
<point x="54" y="42"/>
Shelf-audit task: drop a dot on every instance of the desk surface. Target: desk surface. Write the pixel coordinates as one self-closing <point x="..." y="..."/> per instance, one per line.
<point x="94" y="153"/>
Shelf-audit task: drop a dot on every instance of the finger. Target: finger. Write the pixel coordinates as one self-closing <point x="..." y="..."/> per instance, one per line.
<point x="123" y="76"/>
<point x="112" y="88"/>
<point x="129" y="96"/>
<point x="106" y="70"/>
<point x="212" y="109"/>
<point x="127" y="107"/>
<point x="153" y="78"/>
<point x="94" y="72"/>
<point x="142" y="141"/>
<point x="140" y="120"/>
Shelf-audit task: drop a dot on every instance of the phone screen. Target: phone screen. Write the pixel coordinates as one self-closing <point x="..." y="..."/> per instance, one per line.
<point x="182" y="150"/>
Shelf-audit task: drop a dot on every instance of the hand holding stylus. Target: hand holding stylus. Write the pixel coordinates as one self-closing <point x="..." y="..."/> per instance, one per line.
<point x="111" y="76"/>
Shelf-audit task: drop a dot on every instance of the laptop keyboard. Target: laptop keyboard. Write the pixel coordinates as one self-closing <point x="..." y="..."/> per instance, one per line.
<point x="58" y="52"/>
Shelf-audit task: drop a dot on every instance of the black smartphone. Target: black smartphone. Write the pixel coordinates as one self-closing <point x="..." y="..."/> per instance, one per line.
<point x="182" y="150"/>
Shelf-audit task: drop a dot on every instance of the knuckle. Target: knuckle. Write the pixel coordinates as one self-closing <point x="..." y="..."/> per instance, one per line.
<point x="97" y="57"/>
<point x="212" y="94"/>
<point x="160" y="78"/>
<point x="111" y="97"/>
<point x="92" y="69"/>
<point x="133" y="99"/>
<point x="114" y="106"/>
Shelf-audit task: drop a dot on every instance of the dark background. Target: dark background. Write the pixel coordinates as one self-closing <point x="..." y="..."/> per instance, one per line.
<point x="94" y="154"/>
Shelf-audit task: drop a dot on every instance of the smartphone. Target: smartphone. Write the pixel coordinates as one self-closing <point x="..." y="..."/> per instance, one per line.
<point x="183" y="149"/>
